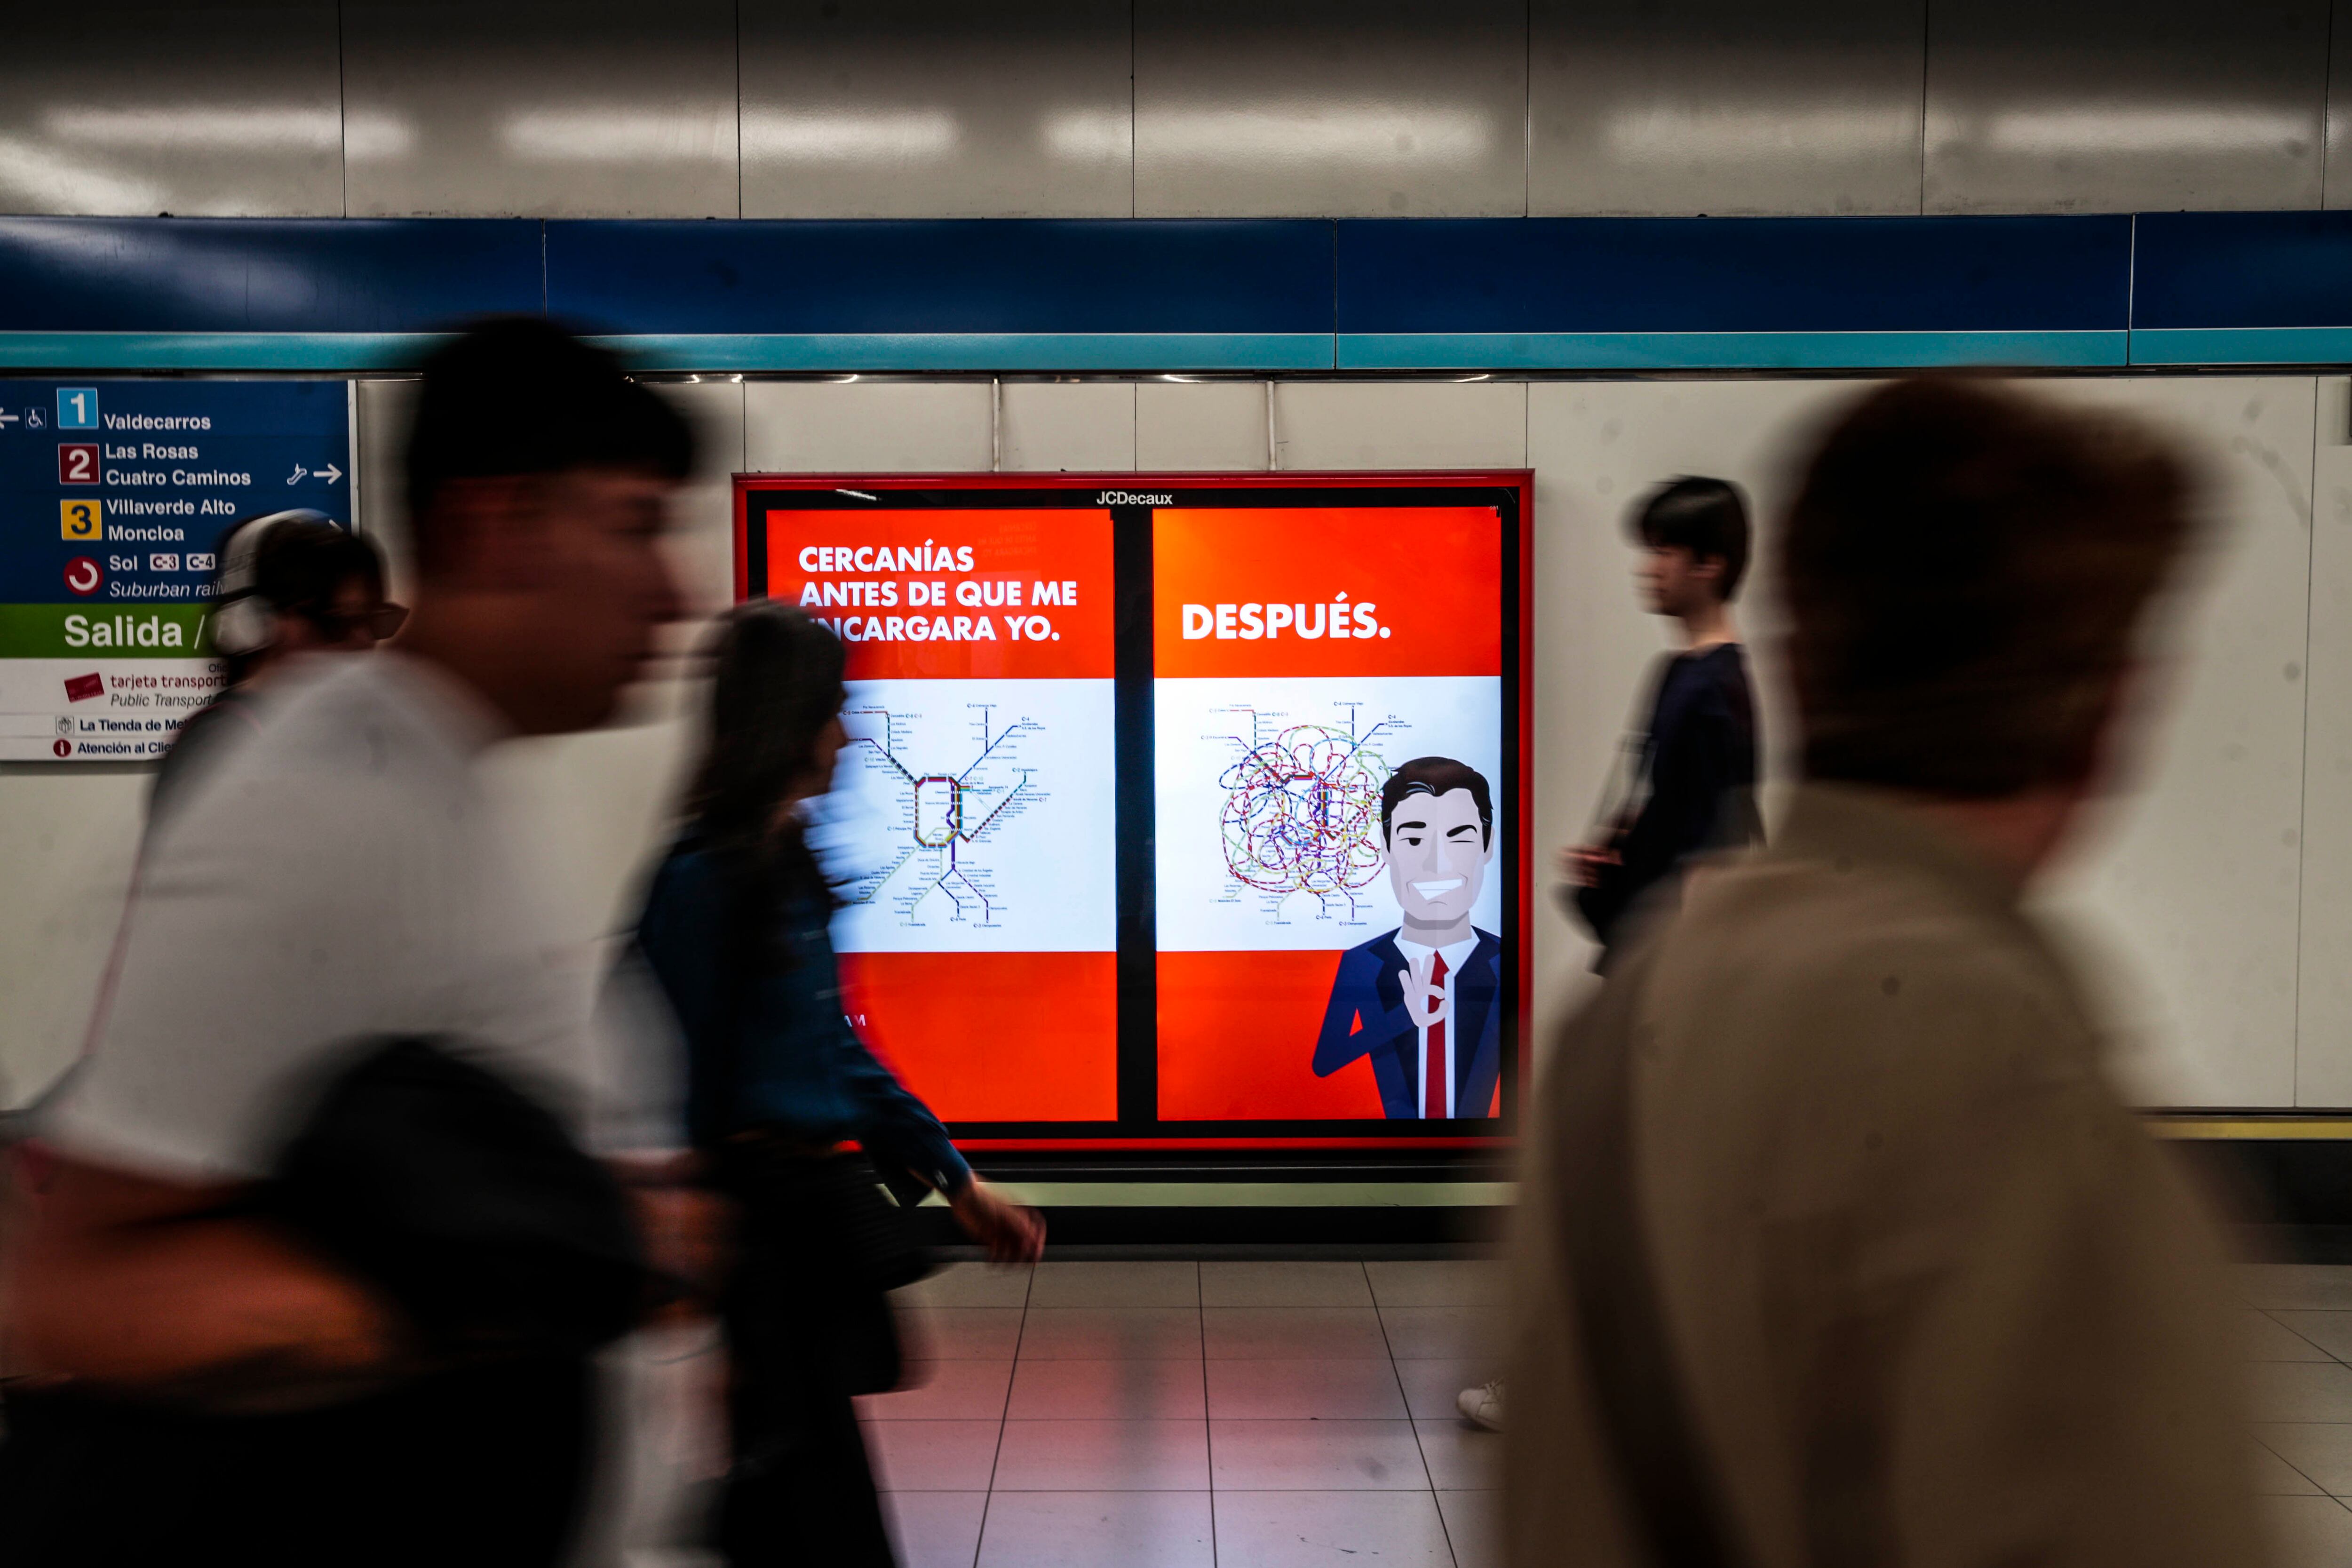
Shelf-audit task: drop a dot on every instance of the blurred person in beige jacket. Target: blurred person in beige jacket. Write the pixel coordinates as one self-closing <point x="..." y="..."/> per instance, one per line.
<point x="1835" y="1247"/>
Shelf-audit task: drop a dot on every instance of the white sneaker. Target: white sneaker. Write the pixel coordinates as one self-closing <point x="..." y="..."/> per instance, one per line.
<point x="1483" y="1405"/>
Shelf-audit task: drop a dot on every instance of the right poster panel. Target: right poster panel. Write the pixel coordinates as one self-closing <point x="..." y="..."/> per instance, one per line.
<point x="1329" y="779"/>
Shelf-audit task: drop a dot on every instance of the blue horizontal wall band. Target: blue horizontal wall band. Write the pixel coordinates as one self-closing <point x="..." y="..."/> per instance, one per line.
<point x="2242" y="269"/>
<point x="1009" y="276"/>
<point x="264" y="274"/>
<point x="1726" y="350"/>
<point x="1244" y="295"/>
<point x="1687" y="275"/>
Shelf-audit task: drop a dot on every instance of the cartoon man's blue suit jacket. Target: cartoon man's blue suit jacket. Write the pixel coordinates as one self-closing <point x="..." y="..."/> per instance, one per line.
<point x="1367" y="1017"/>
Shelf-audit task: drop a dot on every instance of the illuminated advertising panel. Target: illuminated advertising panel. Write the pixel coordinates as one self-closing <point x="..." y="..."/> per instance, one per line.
<point x="1177" y="811"/>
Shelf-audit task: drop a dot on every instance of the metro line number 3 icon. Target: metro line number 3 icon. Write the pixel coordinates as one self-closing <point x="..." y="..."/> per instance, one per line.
<point x="78" y="520"/>
<point x="77" y="462"/>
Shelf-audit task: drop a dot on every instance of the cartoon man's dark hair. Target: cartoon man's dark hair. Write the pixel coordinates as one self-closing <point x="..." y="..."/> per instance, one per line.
<point x="1438" y="775"/>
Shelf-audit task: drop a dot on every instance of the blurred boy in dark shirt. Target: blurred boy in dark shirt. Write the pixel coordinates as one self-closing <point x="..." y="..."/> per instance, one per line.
<point x="1694" y="778"/>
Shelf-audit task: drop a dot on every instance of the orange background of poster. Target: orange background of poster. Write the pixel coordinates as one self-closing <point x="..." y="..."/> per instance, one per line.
<point x="994" y="1037"/>
<point x="1237" y="1040"/>
<point x="1435" y="574"/>
<point x="1023" y="547"/>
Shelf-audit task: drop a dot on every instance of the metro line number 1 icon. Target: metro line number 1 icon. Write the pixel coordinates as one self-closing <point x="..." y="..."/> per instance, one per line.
<point x="77" y="409"/>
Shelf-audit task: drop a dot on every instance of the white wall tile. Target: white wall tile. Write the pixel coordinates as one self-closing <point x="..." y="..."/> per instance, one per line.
<point x="1596" y="447"/>
<point x="1205" y="426"/>
<point x="702" y="528"/>
<point x="2187" y="884"/>
<point x="379" y="480"/>
<point x="851" y="426"/>
<point x="2323" y="1026"/>
<point x="2182" y="905"/>
<point x="68" y="832"/>
<point x="1401" y="424"/>
<point x="1075" y="427"/>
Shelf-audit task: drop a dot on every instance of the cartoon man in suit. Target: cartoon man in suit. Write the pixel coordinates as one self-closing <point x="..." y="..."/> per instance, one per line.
<point x="1423" y="1001"/>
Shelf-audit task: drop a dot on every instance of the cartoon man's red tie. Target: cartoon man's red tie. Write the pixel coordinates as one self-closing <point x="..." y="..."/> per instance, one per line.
<point x="1433" y="1077"/>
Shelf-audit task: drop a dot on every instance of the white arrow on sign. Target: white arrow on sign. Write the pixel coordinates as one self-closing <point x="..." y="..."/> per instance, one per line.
<point x="329" y="473"/>
<point x="7" y="418"/>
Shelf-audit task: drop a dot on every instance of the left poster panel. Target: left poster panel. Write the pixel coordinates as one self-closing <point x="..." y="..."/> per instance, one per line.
<point x="114" y="495"/>
<point x="971" y="823"/>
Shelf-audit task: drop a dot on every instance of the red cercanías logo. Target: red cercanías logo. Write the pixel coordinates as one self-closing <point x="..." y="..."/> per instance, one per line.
<point x="84" y="577"/>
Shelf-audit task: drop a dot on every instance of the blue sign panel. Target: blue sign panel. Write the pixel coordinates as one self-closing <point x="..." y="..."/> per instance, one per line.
<point x="114" y="496"/>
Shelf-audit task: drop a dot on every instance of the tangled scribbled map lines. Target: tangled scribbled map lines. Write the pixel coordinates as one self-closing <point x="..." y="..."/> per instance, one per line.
<point x="936" y="871"/>
<point x="1302" y="807"/>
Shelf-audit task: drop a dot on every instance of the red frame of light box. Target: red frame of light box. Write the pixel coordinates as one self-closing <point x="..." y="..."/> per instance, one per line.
<point x="1520" y="480"/>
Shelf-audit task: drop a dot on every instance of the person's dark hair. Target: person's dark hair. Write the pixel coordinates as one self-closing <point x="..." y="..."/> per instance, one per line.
<point x="1706" y="516"/>
<point x="1438" y="775"/>
<point x="775" y="685"/>
<point x="1966" y="569"/>
<point x="516" y="395"/>
<point x="299" y="570"/>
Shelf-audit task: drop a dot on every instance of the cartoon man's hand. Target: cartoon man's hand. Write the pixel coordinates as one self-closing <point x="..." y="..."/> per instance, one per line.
<point x="1424" y="1003"/>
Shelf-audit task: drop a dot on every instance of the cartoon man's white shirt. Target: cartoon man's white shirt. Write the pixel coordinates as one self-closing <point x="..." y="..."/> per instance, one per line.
<point x="1455" y="955"/>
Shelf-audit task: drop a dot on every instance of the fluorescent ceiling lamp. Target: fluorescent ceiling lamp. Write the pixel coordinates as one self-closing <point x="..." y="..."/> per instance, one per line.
<point x="1385" y="134"/>
<point x="617" y="136"/>
<point x="2155" y="131"/>
<point x="44" y="182"/>
<point x="1728" y="134"/>
<point x="198" y="128"/>
<point x="370" y="134"/>
<point x="848" y="136"/>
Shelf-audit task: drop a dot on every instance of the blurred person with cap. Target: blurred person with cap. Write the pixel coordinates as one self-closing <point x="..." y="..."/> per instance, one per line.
<point x="1835" y="1244"/>
<point x="289" y="583"/>
<point x="287" y="1293"/>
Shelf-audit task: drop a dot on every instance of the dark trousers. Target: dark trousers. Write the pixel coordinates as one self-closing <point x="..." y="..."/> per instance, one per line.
<point x="484" y="1466"/>
<point x="800" y="1491"/>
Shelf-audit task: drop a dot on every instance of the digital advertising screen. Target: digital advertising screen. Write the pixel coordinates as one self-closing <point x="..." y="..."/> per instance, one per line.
<point x="1177" y="811"/>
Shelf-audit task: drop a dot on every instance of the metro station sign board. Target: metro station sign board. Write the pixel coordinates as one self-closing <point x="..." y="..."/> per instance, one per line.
<point x="114" y="495"/>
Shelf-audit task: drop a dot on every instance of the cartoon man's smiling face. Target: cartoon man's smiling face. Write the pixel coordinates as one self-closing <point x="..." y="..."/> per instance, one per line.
<point x="1437" y="856"/>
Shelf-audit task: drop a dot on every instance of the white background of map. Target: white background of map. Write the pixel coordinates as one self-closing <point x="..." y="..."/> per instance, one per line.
<point x="1458" y="716"/>
<point x="1053" y="867"/>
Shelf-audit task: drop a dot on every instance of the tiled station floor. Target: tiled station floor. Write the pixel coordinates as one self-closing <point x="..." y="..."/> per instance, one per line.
<point x="1179" y="1414"/>
<point x="2299" y="1335"/>
<point x="1087" y="1415"/>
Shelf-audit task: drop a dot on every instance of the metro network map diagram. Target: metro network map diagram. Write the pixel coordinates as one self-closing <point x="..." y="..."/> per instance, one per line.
<point x="1302" y="807"/>
<point x="945" y="818"/>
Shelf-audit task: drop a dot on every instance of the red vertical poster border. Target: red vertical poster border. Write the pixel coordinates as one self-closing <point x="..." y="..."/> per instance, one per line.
<point x="1519" y="606"/>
